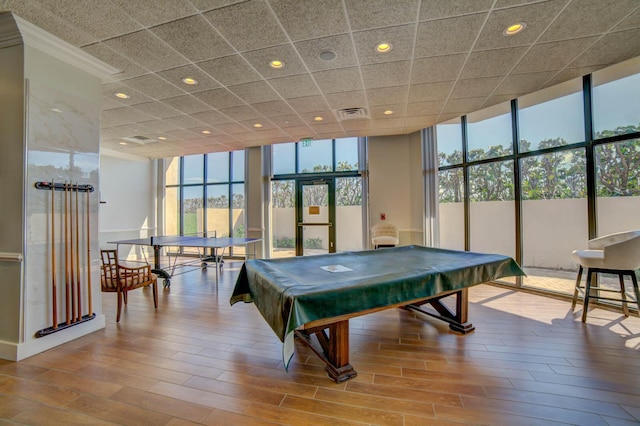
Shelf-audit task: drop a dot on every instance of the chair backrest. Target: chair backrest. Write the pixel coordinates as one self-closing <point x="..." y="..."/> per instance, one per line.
<point x="109" y="276"/>
<point x="606" y="240"/>
<point x="624" y="254"/>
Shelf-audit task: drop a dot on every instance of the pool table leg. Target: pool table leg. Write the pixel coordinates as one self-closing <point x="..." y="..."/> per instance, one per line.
<point x="458" y="320"/>
<point x="331" y="348"/>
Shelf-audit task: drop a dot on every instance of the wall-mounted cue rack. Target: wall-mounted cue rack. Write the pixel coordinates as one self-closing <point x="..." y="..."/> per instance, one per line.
<point x="69" y="247"/>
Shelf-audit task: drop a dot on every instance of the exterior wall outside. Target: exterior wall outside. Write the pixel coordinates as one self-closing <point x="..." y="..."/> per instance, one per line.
<point x="554" y="229"/>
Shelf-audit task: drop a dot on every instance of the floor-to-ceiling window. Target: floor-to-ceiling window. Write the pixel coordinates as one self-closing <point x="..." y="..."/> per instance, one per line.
<point x="331" y="164"/>
<point x="204" y="195"/>
<point x="514" y="178"/>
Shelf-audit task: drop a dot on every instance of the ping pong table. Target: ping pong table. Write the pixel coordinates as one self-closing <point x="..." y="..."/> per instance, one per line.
<point x="315" y="296"/>
<point x="215" y="246"/>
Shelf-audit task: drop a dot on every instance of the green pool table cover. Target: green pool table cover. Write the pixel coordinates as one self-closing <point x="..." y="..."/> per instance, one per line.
<point x="294" y="291"/>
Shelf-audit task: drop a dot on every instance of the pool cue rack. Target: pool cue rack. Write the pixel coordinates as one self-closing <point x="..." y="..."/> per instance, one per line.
<point x="69" y="226"/>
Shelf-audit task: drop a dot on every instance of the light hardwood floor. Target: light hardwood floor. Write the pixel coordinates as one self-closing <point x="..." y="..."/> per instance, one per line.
<point x="197" y="360"/>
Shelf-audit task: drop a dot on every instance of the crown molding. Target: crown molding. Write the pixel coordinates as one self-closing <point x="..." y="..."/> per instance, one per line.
<point x="15" y="30"/>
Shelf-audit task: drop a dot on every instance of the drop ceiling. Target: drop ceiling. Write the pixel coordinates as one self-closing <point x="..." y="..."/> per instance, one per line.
<point x="448" y="58"/>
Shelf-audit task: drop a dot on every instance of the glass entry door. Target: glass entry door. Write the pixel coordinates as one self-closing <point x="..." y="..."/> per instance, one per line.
<point x="315" y="217"/>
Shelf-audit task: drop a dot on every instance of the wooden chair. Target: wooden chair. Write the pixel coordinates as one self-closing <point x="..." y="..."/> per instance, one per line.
<point x="121" y="279"/>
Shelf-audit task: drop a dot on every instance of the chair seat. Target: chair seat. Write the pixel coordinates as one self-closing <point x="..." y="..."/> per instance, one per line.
<point x="385" y="241"/>
<point x="589" y="258"/>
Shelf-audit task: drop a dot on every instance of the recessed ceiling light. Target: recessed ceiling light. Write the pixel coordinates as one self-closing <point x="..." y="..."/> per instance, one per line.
<point x="388" y="112"/>
<point x="514" y="28"/>
<point x="162" y="138"/>
<point x="206" y="132"/>
<point x="318" y="118"/>
<point x="257" y="125"/>
<point x="327" y="55"/>
<point x="384" y="47"/>
<point x="122" y="143"/>
<point x="121" y="95"/>
<point x="276" y="64"/>
<point x="190" y="81"/>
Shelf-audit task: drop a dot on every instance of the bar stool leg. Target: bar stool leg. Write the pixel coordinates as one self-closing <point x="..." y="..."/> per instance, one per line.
<point x="587" y="293"/>
<point x="575" y="292"/>
<point x="623" y="293"/>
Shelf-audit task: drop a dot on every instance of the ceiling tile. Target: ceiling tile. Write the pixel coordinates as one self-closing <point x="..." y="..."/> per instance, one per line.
<point x="183" y="121"/>
<point x="157" y="109"/>
<point x="153" y="86"/>
<point x="463" y="106"/>
<point x="176" y="75"/>
<point x="631" y="22"/>
<point x="386" y="75"/>
<point x="340" y="80"/>
<point x="124" y="115"/>
<point x="552" y="56"/>
<point x="476" y="87"/>
<point x="602" y="15"/>
<point x="273" y="108"/>
<point x="523" y="83"/>
<point x="401" y="38"/>
<point x="448" y="36"/>
<point x="341" y="45"/>
<point x="287" y="121"/>
<point x="308" y="104"/>
<point x="436" y="68"/>
<point x="187" y="104"/>
<point x="346" y="99"/>
<point x="232" y="128"/>
<point x="285" y="53"/>
<point x="318" y="18"/>
<point x="610" y="49"/>
<point x="159" y="126"/>
<point x="570" y="74"/>
<point x="430" y="10"/>
<point x="429" y="91"/>
<point x="295" y="86"/>
<point x="378" y="112"/>
<point x="230" y="70"/>
<point x="387" y="95"/>
<point x="300" y="132"/>
<point x="219" y="98"/>
<point x="537" y="17"/>
<point x="257" y="91"/>
<point x="127" y="67"/>
<point x="266" y="125"/>
<point x="212" y="118"/>
<point x="49" y="21"/>
<point x="194" y="38"/>
<point x="424" y="108"/>
<point x="421" y="122"/>
<point x="381" y="13"/>
<point x="248" y="25"/>
<point x="180" y="134"/>
<point x="240" y="113"/>
<point x="135" y="97"/>
<point x="147" y="50"/>
<point x="109" y="102"/>
<point x="489" y="63"/>
<point x="162" y="10"/>
<point x="113" y="21"/>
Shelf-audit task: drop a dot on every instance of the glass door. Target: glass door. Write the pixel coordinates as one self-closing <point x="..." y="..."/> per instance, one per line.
<point x="315" y="216"/>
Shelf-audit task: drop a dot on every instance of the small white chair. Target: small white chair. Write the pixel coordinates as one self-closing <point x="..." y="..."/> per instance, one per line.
<point x="617" y="254"/>
<point x="384" y="235"/>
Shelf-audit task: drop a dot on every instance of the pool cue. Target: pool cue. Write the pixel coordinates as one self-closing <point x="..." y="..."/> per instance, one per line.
<point x="71" y="262"/>
<point x="54" y="290"/>
<point x="89" y="259"/>
<point x="78" y="293"/>
<point x="66" y="253"/>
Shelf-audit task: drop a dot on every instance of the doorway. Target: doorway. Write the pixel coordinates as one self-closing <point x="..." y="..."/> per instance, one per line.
<point x="315" y="216"/>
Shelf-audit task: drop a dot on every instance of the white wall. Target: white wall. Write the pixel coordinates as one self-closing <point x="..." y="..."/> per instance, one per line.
<point x="395" y="184"/>
<point x="128" y="200"/>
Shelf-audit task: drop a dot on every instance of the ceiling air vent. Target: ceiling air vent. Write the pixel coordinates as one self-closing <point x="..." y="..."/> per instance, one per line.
<point x="141" y="140"/>
<point x="352" y="113"/>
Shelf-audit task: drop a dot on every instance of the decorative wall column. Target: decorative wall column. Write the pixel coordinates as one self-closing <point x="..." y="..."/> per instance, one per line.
<point x="50" y="120"/>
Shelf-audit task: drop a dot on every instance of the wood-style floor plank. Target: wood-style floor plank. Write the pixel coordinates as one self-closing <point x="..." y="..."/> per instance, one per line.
<point x="198" y="360"/>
